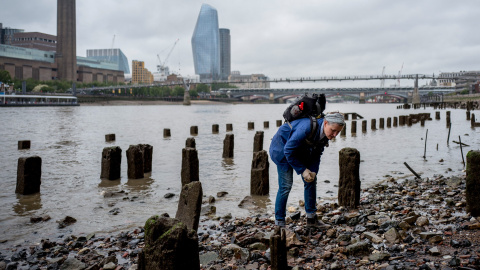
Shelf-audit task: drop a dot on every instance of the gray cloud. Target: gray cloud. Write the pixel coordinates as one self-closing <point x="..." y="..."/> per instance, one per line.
<point x="278" y="38"/>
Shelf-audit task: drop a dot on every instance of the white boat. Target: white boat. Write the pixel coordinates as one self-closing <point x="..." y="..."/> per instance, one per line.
<point x="36" y="100"/>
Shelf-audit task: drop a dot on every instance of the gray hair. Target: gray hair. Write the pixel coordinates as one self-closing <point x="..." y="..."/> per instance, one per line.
<point x="335" y="117"/>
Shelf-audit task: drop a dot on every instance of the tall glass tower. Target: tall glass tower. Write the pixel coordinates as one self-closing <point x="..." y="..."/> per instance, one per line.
<point x="225" y="61"/>
<point x="206" y="44"/>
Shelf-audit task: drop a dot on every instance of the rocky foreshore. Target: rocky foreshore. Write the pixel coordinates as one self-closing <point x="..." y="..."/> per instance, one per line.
<point x="400" y="224"/>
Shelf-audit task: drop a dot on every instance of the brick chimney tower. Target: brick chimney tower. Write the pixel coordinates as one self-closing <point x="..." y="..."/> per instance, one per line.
<point x="66" y="56"/>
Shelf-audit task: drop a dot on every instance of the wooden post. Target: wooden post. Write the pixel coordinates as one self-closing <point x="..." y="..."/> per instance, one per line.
<point x="389" y="122"/>
<point x="279" y="123"/>
<point x="258" y="141"/>
<point x="166" y="133"/>
<point x="110" y="137"/>
<point x="228" y="146"/>
<point x="22" y="145"/>
<point x="278" y="250"/>
<point x="111" y="163"/>
<point x="229" y="127"/>
<point x="189" y="171"/>
<point x="251" y="125"/>
<point x="374" y="124"/>
<point x="364" y="126"/>
<point x="382" y="123"/>
<point x="135" y="165"/>
<point x="349" y="179"/>
<point x="395" y="121"/>
<point x="473" y="182"/>
<point x="354" y="127"/>
<point x="194" y="130"/>
<point x="215" y="128"/>
<point x="259" y="177"/>
<point x="29" y="174"/>
<point x="266" y="124"/>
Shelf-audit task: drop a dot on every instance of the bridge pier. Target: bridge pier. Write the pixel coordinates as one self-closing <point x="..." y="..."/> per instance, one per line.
<point x="416" y="96"/>
<point x="362" y="98"/>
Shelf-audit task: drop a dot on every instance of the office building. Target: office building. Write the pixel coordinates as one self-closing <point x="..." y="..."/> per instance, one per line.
<point x="141" y="75"/>
<point x="206" y="44"/>
<point x="225" y="61"/>
<point x="6" y="34"/>
<point x="35" y="40"/>
<point x="111" y="56"/>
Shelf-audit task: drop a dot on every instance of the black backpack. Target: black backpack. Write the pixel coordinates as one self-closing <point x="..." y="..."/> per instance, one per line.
<point x="306" y="106"/>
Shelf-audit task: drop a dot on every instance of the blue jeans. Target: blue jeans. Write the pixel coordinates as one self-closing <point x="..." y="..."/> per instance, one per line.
<point x="285" y="182"/>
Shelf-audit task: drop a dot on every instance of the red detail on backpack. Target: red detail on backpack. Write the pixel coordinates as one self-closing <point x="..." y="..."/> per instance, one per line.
<point x="301" y="106"/>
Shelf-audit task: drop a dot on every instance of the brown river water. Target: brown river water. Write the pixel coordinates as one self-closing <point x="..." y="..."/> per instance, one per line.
<point x="70" y="141"/>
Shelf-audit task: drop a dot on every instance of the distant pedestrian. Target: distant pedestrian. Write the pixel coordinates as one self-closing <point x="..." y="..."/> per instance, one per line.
<point x="290" y="151"/>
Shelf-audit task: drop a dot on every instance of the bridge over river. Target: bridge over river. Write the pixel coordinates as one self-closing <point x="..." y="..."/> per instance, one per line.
<point x="398" y="93"/>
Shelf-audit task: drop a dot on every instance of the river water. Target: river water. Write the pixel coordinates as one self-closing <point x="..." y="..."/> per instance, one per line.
<point x="70" y="141"/>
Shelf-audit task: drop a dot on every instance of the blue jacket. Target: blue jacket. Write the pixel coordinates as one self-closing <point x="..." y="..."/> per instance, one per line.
<point x="289" y="149"/>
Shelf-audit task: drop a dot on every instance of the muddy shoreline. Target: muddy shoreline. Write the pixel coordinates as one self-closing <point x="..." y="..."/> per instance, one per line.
<point x="402" y="223"/>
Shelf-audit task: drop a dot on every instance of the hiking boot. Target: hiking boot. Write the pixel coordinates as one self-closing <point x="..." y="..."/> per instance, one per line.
<point x="315" y="223"/>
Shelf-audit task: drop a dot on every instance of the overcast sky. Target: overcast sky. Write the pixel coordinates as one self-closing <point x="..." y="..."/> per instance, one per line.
<point x="279" y="38"/>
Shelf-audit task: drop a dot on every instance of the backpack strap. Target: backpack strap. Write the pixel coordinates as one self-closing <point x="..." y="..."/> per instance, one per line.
<point x="313" y="131"/>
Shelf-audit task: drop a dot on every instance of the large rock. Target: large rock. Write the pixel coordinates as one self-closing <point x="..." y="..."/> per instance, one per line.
<point x="169" y="245"/>
<point x="189" y="205"/>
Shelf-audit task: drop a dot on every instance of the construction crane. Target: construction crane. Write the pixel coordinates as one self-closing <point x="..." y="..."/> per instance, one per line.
<point x="399" y="76"/>
<point x="110" y="52"/>
<point x="382" y="81"/>
<point x="162" y="68"/>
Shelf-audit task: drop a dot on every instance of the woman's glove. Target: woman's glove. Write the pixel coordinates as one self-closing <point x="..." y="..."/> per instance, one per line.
<point x="307" y="175"/>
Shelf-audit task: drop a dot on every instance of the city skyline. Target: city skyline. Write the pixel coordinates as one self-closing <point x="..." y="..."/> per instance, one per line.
<point x="301" y="39"/>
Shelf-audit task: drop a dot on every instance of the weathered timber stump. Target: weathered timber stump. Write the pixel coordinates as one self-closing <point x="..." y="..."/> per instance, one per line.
<point x="382" y="123"/>
<point x="190" y="204"/>
<point x="111" y="163"/>
<point x="229" y="127"/>
<point x="279" y="123"/>
<point x="409" y="121"/>
<point x="266" y="124"/>
<point x="147" y="150"/>
<point x="401" y="120"/>
<point x="29" y="175"/>
<point x="259" y="184"/>
<point x="473" y="182"/>
<point x="215" y="128"/>
<point x="468" y="115"/>
<point x="169" y="245"/>
<point x="364" y="126"/>
<point x="354" y="127"/>
<point x="349" y="179"/>
<point x="472" y="120"/>
<point x="354" y="116"/>
<point x="373" y="124"/>
<point x="448" y="120"/>
<point x="346" y="116"/>
<point x="389" y="122"/>
<point x="135" y="162"/>
<point x="194" y="130"/>
<point x="344" y="130"/>
<point x="437" y="115"/>
<point x="110" y="137"/>
<point x="258" y="141"/>
<point x="395" y="121"/>
<point x="190" y="143"/>
<point x="22" y="145"/>
<point x="228" y="146"/>
<point x="278" y="249"/>
<point x="166" y="133"/>
<point x="422" y="122"/>
<point x="251" y="125"/>
<point x="189" y="166"/>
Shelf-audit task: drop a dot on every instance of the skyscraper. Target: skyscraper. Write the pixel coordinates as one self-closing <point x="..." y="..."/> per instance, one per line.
<point x="66" y="56"/>
<point x="206" y="44"/>
<point x="225" y="61"/>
